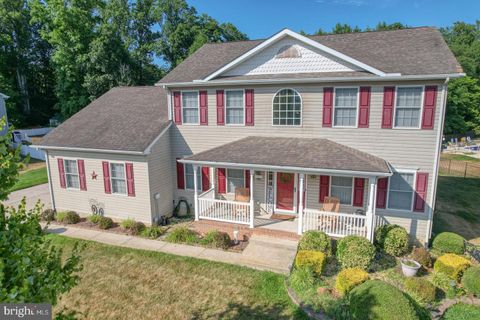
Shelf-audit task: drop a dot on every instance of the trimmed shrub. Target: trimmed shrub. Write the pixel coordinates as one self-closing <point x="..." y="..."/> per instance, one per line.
<point x="182" y="235"/>
<point x="392" y="239"/>
<point x="127" y="223"/>
<point x="314" y="260"/>
<point x="422" y="256"/>
<point x="68" y="217"/>
<point x="302" y="279"/>
<point x="133" y="226"/>
<point x="420" y="289"/>
<point x="48" y="215"/>
<point x="355" y="252"/>
<point x="461" y="311"/>
<point x="349" y="278"/>
<point x="94" y="218"/>
<point x="443" y="282"/>
<point x="471" y="280"/>
<point x="216" y="239"/>
<point x="378" y="300"/>
<point x="452" y="265"/>
<point x="152" y="232"/>
<point x="316" y="240"/>
<point x="105" y="223"/>
<point x="449" y="242"/>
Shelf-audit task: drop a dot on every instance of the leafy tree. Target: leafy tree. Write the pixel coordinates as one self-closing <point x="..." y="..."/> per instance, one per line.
<point x="383" y="26"/>
<point x="463" y="106"/>
<point x="344" y="28"/>
<point x="10" y="163"/>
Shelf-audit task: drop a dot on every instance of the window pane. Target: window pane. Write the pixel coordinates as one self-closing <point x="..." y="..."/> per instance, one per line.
<point x="401" y="191"/>
<point x="345" y="113"/>
<point x="189" y="177"/>
<point x="234" y="107"/>
<point x="400" y="200"/>
<point x="234" y="116"/>
<point x="287" y="108"/>
<point x="235" y="179"/>
<point x="345" y="116"/>
<point x="409" y="97"/>
<point x="342" y="189"/>
<point x="72" y="181"/>
<point x="346" y="97"/>
<point x="71" y="166"/>
<point x="118" y="170"/>
<point x="407" y="117"/>
<point x="408" y="107"/>
<point x="190" y="107"/>
<point x="119" y="186"/>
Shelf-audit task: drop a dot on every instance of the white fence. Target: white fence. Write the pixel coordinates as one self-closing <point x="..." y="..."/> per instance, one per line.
<point x="223" y="210"/>
<point x="335" y="224"/>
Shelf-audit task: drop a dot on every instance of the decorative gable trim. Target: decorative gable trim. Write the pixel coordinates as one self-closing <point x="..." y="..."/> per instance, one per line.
<point x="287" y="32"/>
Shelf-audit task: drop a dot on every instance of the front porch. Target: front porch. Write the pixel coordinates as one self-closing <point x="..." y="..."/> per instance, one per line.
<point x="332" y="195"/>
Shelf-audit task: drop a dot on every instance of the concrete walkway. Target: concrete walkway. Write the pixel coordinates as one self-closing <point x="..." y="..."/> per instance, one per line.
<point x="263" y="253"/>
<point x="33" y="194"/>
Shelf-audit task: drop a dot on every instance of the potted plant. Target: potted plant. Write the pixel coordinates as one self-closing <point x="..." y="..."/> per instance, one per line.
<point x="410" y="267"/>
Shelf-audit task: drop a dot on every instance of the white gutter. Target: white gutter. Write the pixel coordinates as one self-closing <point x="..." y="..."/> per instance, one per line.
<point x="137" y="153"/>
<point x="436" y="163"/>
<point x="286" y="168"/>
<point x="50" y="184"/>
<point x="200" y="83"/>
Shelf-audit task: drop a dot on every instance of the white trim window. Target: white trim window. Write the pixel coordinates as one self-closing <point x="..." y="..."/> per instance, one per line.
<point x="345" y="107"/>
<point x="234" y="107"/>
<point x="189" y="183"/>
<point x="400" y="191"/>
<point x="287" y="108"/>
<point x="342" y="188"/>
<point x="190" y="107"/>
<point x="235" y="179"/>
<point x="408" y="107"/>
<point x="118" y="178"/>
<point x="71" y="174"/>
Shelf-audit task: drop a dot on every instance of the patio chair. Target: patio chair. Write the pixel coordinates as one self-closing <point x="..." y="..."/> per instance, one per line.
<point x="241" y="195"/>
<point x="330" y="204"/>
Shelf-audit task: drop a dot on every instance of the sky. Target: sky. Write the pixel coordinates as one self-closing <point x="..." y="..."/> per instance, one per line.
<point x="263" y="18"/>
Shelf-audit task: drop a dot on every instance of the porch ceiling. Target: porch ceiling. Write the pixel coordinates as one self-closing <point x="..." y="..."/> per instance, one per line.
<point x="292" y="154"/>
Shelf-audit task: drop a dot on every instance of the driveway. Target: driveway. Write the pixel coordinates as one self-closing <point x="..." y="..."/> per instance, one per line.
<point x="33" y="194"/>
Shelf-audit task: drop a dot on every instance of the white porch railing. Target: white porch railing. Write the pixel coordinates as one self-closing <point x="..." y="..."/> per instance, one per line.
<point x="335" y="224"/>
<point x="210" y="208"/>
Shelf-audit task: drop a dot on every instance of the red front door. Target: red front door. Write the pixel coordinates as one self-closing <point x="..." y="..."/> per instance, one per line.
<point x="285" y="190"/>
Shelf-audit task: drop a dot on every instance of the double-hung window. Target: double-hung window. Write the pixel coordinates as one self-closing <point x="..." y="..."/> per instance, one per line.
<point x="408" y="107"/>
<point x="342" y="188"/>
<point x="400" y="194"/>
<point x="235" y="107"/>
<point x="189" y="182"/>
<point x="235" y="179"/>
<point x="190" y="108"/>
<point x="346" y="105"/>
<point x="287" y="108"/>
<point x="71" y="174"/>
<point x="118" y="178"/>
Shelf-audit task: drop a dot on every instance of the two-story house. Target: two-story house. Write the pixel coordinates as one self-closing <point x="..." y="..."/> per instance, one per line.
<point x="291" y="122"/>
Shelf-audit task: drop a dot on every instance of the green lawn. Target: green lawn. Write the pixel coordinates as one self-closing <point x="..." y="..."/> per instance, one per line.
<point x="122" y="283"/>
<point x="31" y="178"/>
<point x="459" y="157"/>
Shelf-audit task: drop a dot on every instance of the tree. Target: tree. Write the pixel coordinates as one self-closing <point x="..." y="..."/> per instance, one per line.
<point x="10" y="163"/>
<point x="463" y="106"/>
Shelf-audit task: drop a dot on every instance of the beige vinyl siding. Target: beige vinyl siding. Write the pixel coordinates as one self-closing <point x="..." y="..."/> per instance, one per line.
<point x="413" y="149"/>
<point x="117" y="207"/>
<point x="161" y="177"/>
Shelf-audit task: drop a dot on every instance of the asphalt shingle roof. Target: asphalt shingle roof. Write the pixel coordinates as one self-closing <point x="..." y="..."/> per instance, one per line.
<point x="415" y="51"/>
<point x="124" y="118"/>
<point x="311" y="153"/>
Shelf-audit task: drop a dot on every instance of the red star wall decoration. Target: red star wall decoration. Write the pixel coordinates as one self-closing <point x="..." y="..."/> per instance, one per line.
<point x="94" y="175"/>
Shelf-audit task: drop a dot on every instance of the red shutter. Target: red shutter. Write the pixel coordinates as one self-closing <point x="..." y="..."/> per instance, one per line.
<point x="421" y="191"/>
<point x="203" y="108"/>
<point x="382" y="187"/>
<point x="61" y="173"/>
<point x="358" y="192"/>
<point x="205" y="178"/>
<point x="130" y="179"/>
<point x="429" y="103"/>
<point x="247" y="178"/>
<point x="106" y="177"/>
<point x="180" y="175"/>
<point x="81" y="175"/>
<point x="222" y="181"/>
<point x="388" y="103"/>
<point x="324" y="187"/>
<point x="364" y="110"/>
<point x="327" y="107"/>
<point x="220" y="109"/>
<point x="249" y="102"/>
<point x="177" y="107"/>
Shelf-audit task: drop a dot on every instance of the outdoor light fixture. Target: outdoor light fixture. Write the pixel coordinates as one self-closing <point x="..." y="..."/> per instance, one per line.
<point x="235" y="235"/>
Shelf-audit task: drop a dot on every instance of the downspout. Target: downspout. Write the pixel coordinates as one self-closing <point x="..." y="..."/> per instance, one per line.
<point x="50" y="185"/>
<point x="428" y="234"/>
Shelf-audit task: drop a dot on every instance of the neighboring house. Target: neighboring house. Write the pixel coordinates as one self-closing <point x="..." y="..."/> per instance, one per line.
<point x="292" y="120"/>
<point x="3" y="113"/>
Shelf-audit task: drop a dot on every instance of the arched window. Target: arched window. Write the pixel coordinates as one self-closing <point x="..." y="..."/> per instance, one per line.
<point x="288" y="51"/>
<point x="287" y="108"/>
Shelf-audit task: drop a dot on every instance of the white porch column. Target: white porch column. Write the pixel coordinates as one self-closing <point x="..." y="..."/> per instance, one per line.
<point x="300" y="205"/>
<point x="195" y="187"/>
<point x="372" y="196"/>
<point x="252" y="205"/>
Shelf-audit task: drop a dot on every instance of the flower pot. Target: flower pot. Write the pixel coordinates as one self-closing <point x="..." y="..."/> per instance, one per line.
<point x="409" y="270"/>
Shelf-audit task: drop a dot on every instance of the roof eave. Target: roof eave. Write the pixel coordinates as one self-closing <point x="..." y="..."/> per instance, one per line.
<point x="137" y="153"/>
